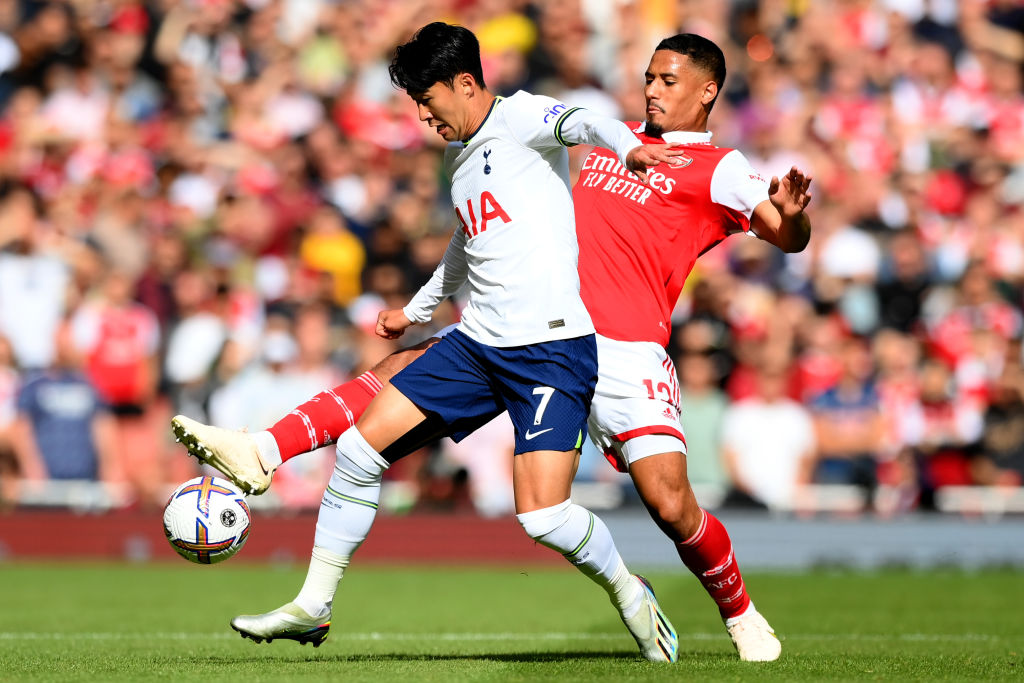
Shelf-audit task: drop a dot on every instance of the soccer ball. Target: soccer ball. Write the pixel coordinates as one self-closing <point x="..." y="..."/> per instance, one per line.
<point x="207" y="520"/>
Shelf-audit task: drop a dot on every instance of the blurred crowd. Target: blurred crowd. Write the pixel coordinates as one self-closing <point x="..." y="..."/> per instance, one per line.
<point x="205" y="203"/>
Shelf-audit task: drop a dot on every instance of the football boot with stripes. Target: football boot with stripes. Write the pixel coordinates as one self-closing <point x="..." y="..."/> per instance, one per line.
<point x="754" y="639"/>
<point x="233" y="453"/>
<point x="652" y="630"/>
<point x="288" y="622"/>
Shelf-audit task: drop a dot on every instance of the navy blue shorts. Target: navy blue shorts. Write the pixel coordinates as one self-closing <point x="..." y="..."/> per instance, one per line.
<point x="546" y="388"/>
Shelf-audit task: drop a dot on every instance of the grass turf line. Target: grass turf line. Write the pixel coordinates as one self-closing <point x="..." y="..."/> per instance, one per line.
<point x="76" y="622"/>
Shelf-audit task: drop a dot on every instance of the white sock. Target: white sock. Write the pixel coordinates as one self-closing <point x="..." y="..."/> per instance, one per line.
<point x="347" y="511"/>
<point x="267" y="446"/>
<point x="325" y="571"/>
<point x="625" y="590"/>
<point x="585" y="541"/>
<point x="732" y="620"/>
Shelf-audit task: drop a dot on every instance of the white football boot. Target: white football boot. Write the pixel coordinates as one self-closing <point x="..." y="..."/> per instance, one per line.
<point x="754" y="639"/>
<point x="652" y="630"/>
<point x="233" y="453"/>
<point x="288" y="622"/>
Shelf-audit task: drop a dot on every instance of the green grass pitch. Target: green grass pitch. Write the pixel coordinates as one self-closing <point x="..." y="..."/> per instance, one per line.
<point x="118" y="622"/>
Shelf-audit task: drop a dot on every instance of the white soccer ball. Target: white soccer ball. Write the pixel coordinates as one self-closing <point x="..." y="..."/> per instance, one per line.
<point x="207" y="520"/>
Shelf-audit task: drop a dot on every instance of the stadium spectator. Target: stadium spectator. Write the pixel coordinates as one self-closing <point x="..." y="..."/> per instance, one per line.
<point x="768" y="443"/>
<point x="118" y="340"/>
<point x="486" y="457"/>
<point x="1000" y="460"/>
<point x="329" y="247"/>
<point x="819" y="366"/>
<point x="752" y="354"/>
<point x="63" y="429"/>
<point x="703" y="407"/>
<point x="946" y="426"/>
<point x="903" y="283"/>
<point x="897" y="356"/>
<point x="848" y="423"/>
<point x="155" y="287"/>
<point x="9" y="383"/>
<point x="33" y="279"/>
<point x="195" y="339"/>
<point x="978" y="307"/>
<point x="897" y="381"/>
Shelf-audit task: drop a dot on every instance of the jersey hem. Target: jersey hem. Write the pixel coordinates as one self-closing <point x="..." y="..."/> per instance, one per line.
<point x="505" y="343"/>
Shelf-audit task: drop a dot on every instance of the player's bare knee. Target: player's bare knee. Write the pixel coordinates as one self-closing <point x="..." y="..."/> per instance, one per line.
<point x="393" y="364"/>
<point x="668" y="506"/>
<point x="674" y="505"/>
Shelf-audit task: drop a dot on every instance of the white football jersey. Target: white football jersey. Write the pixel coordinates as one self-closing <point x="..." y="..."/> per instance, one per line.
<point x="516" y="241"/>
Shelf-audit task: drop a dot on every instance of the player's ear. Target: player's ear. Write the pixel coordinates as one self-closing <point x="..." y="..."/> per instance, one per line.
<point x="709" y="93"/>
<point x="465" y="82"/>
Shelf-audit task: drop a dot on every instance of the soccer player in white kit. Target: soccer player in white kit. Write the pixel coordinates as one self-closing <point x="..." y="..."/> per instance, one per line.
<point x="525" y="343"/>
<point x="637" y="244"/>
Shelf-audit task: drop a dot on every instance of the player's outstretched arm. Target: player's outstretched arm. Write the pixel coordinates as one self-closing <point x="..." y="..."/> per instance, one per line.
<point x="782" y="220"/>
<point x="643" y="157"/>
<point x="541" y="122"/>
<point x="581" y="126"/>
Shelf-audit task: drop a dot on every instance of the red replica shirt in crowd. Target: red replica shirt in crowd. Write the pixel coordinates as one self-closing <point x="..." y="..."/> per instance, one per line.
<point x="119" y="343"/>
<point x="638" y="243"/>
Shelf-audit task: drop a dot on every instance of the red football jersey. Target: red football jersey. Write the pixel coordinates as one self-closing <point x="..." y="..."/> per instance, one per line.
<point x="118" y="343"/>
<point x="638" y="243"/>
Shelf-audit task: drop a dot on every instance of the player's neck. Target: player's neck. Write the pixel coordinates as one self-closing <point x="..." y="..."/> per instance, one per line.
<point x="480" y="109"/>
<point x="698" y="126"/>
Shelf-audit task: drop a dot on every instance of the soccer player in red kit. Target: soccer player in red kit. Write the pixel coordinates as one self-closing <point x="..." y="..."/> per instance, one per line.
<point x="638" y="242"/>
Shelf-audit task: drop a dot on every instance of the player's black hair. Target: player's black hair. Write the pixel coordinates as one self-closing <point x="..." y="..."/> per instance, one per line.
<point x="438" y="53"/>
<point x="703" y="54"/>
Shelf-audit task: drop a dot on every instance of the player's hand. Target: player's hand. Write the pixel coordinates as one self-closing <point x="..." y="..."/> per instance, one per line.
<point x="791" y="194"/>
<point x="392" y="324"/>
<point x="641" y="158"/>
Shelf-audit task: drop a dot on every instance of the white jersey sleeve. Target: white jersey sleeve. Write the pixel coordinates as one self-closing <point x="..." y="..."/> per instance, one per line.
<point x="736" y="185"/>
<point x="449" y="275"/>
<point x="541" y="122"/>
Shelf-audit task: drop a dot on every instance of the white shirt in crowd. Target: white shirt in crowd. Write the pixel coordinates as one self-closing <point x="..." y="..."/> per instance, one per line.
<point x="768" y="442"/>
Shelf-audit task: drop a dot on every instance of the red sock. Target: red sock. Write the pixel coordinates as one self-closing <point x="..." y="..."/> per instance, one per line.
<point x="323" y="418"/>
<point x="708" y="554"/>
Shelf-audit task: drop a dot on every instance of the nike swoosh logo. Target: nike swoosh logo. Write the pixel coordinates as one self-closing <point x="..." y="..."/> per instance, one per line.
<point x="536" y="434"/>
<point x="260" y="461"/>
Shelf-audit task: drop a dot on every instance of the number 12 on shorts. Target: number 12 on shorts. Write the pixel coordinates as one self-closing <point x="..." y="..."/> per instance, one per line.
<point x="663" y="388"/>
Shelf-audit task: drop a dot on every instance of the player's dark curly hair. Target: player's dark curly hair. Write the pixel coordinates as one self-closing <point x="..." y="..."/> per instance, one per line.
<point x="436" y="54"/>
<point x="703" y="54"/>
